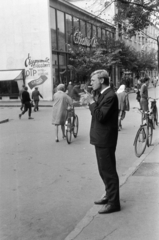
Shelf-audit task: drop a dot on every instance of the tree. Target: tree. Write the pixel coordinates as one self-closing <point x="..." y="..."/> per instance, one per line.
<point x="108" y="53"/>
<point x="136" y="15"/>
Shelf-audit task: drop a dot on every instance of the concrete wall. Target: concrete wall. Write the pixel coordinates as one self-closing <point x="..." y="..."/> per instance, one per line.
<point x="25" y="41"/>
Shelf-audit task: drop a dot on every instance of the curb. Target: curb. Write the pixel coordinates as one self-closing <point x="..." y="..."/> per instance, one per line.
<point x="15" y="105"/>
<point x="4" y="121"/>
<point x="91" y="214"/>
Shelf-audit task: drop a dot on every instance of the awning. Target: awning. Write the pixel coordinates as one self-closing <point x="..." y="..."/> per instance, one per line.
<point x="11" y="75"/>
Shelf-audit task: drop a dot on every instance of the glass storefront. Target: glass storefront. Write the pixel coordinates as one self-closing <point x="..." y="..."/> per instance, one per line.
<point x="53" y="29"/>
<point x="68" y="30"/>
<point x="63" y="28"/>
<point x="60" y="31"/>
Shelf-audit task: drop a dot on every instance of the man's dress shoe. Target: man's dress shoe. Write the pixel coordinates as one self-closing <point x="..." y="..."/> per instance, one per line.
<point x="101" y="201"/>
<point x="109" y="209"/>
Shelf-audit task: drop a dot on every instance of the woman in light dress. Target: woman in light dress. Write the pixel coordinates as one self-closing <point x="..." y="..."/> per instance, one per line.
<point x="61" y="101"/>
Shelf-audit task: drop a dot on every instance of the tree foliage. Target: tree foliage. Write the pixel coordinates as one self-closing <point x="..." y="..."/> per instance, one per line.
<point x="108" y="53"/>
<point x="136" y="15"/>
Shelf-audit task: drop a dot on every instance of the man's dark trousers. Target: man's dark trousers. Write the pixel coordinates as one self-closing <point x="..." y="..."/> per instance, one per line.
<point x="27" y="106"/>
<point x="107" y="170"/>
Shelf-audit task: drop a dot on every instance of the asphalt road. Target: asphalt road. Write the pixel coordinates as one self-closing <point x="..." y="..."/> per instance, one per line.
<point x="46" y="188"/>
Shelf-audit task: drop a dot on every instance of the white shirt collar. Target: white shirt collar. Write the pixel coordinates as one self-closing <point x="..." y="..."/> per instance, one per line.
<point x="104" y="89"/>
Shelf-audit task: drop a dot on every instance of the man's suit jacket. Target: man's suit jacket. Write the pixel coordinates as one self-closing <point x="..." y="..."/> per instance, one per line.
<point x="104" y="125"/>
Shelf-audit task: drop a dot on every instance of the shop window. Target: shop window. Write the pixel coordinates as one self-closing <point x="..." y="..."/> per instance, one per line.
<point x="53" y="28"/>
<point x="103" y="34"/>
<point x="76" y="24"/>
<point x="62" y="68"/>
<point x="61" y="31"/>
<point x="68" y="29"/>
<point x="99" y="33"/>
<point x="94" y="31"/>
<point x="89" y="30"/>
<point x="55" y="69"/>
<point x="9" y="88"/>
<point x="83" y="28"/>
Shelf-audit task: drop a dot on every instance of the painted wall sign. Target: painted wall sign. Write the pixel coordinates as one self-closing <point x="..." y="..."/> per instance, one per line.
<point x="79" y="39"/>
<point x="37" y="82"/>
<point x="37" y="63"/>
<point x="37" y="69"/>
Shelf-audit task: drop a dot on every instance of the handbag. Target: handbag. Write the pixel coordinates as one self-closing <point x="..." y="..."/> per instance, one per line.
<point x="32" y="104"/>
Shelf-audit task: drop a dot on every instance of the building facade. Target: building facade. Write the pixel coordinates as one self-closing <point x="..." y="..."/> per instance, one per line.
<point x="36" y="36"/>
<point x="145" y="41"/>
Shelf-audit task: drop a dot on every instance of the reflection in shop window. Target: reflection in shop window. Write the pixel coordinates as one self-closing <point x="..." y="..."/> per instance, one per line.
<point x="55" y="69"/>
<point x="83" y="28"/>
<point x="99" y="33"/>
<point x="75" y="24"/>
<point x="61" y="31"/>
<point x="89" y="30"/>
<point x="68" y="29"/>
<point x="53" y="28"/>
<point x="103" y="34"/>
<point x="62" y="68"/>
<point x="94" y="31"/>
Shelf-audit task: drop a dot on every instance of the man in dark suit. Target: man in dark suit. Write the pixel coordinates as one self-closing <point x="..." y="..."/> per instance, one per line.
<point x="103" y="135"/>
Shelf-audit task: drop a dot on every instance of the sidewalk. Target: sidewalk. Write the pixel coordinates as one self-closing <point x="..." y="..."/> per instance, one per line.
<point x="139" y="215"/>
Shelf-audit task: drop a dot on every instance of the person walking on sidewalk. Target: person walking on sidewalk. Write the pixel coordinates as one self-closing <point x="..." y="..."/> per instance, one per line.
<point x="123" y="104"/>
<point x="27" y="103"/>
<point x="144" y="94"/>
<point x="20" y="95"/>
<point x="69" y="89"/>
<point x="103" y="135"/>
<point x="35" y="97"/>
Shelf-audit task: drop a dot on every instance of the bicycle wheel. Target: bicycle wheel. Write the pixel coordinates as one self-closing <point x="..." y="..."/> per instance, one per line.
<point x="68" y="131"/>
<point x="140" y="142"/>
<point x="75" y="126"/>
<point x="149" y="133"/>
<point x="156" y="116"/>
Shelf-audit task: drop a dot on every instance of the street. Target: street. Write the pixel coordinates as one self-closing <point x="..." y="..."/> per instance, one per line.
<point x="46" y="188"/>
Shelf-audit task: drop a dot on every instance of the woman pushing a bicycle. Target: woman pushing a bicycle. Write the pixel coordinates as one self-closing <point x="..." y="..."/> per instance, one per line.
<point x="61" y="101"/>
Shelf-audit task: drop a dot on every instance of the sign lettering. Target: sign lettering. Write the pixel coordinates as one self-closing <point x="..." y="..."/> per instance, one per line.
<point x="79" y="39"/>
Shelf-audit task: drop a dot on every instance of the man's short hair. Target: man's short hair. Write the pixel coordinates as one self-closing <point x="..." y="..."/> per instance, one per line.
<point x="102" y="74"/>
<point x="26" y="88"/>
<point x="146" y="79"/>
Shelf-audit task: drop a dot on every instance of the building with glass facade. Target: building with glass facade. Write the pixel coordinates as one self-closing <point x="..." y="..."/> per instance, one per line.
<point x="36" y="36"/>
<point x="71" y="26"/>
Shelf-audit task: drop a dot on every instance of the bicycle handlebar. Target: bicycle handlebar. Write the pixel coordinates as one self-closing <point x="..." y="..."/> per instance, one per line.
<point x="141" y="111"/>
<point x="153" y="98"/>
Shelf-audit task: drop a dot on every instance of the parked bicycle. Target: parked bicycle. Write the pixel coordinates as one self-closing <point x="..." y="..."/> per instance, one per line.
<point x="154" y="111"/>
<point x="144" y="134"/>
<point x="71" y="125"/>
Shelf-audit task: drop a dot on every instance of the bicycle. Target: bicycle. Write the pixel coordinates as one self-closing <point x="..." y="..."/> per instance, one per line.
<point x="154" y="112"/>
<point x="144" y="134"/>
<point x="71" y="125"/>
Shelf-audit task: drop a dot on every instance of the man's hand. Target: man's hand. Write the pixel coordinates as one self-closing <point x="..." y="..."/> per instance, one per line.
<point x="89" y="98"/>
